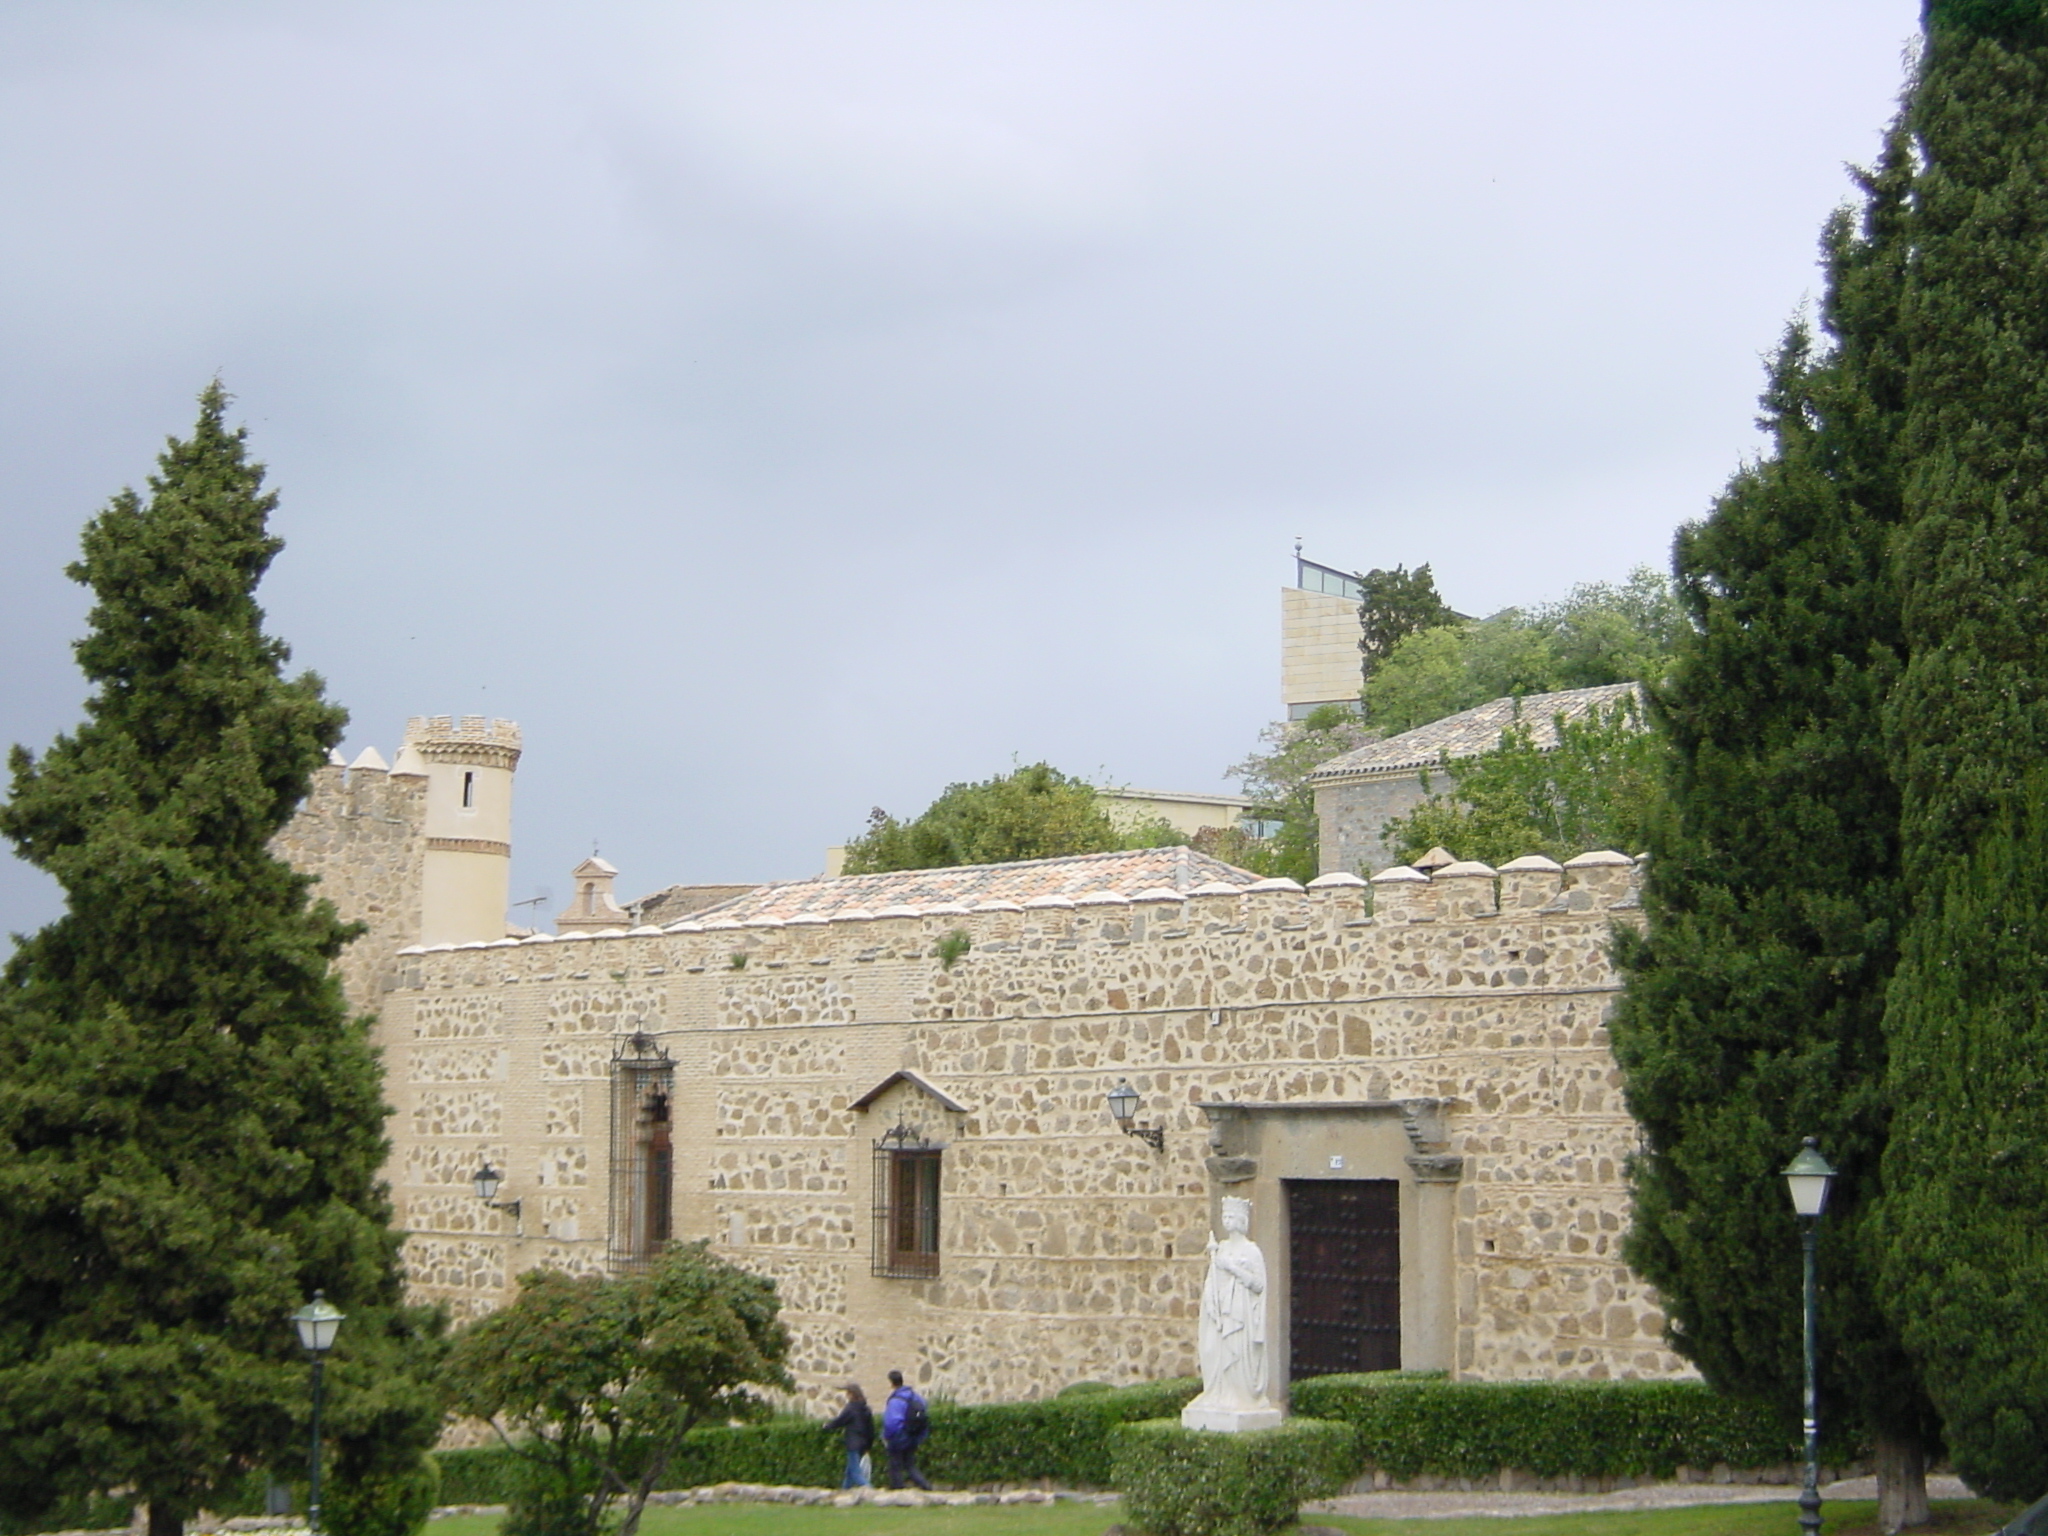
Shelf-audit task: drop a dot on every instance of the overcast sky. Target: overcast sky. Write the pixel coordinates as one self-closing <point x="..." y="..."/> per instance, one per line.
<point x="784" y="409"/>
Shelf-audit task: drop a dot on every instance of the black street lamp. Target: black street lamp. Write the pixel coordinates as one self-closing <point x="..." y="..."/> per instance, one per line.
<point x="1808" y="1177"/>
<point x="486" y="1181"/>
<point x="1123" y="1105"/>
<point x="317" y="1323"/>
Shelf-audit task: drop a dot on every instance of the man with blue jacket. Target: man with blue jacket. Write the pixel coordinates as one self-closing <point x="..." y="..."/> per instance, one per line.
<point x="905" y="1424"/>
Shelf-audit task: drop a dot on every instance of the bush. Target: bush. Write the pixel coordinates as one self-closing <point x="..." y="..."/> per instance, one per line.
<point x="1191" y="1482"/>
<point x="388" y="1504"/>
<point x="1414" y="1425"/>
<point x="781" y="1450"/>
<point x="1063" y="1440"/>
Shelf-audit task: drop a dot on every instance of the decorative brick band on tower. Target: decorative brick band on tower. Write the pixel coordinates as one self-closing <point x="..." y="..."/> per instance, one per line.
<point x="467" y="874"/>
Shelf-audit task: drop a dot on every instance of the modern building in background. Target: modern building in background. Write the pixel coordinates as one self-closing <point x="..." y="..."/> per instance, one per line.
<point x="1320" y="662"/>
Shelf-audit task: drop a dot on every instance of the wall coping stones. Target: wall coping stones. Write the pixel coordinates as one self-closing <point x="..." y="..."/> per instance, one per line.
<point x="1598" y="859"/>
<point x="1466" y="869"/>
<point x="1103" y="899"/>
<point x="1275" y="883"/>
<point x="1217" y="888"/>
<point x="1529" y="862"/>
<point x="1334" y="879"/>
<point x="1051" y="903"/>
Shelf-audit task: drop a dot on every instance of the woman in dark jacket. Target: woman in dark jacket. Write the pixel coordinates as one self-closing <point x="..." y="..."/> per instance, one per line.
<point x="857" y="1421"/>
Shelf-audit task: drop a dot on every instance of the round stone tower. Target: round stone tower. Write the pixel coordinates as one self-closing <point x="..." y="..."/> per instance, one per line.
<point x="467" y="876"/>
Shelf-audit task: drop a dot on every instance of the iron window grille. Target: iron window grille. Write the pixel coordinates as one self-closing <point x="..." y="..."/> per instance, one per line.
<point x="906" y="1242"/>
<point x="643" y="1154"/>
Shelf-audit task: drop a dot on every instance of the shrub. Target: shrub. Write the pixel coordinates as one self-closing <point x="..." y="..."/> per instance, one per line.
<point x="1063" y="1440"/>
<point x="1412" y="1425"/>
<point x="1190" y="1482"/>
<point x="394" y="1503"/>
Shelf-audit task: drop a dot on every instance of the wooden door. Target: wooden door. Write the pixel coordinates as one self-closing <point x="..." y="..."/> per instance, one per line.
<point x="1345" y="1292"/>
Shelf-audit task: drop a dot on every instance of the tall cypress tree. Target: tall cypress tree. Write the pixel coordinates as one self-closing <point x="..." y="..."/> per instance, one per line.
<point x="1965" y="1246"/>
<point x="1753" y="1009"/>
<point x="190" y="1121"/>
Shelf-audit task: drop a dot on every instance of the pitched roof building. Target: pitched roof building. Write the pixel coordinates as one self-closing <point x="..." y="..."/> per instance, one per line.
<point x="1359" y="793"/>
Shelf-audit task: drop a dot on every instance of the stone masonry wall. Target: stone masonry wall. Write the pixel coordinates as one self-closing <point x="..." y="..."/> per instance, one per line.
<point x="361" y="833"/>
<point x="1069" y="1251"/>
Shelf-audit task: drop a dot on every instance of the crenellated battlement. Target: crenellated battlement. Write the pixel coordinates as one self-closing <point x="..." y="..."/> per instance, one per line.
<point x="468" y="739"/>
<point x="1367" y="916"/>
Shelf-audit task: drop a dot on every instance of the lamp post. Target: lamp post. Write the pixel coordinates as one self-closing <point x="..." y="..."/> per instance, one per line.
<point x="317" y="1323"/>
<point x="1123" y="1105"/>
<point x="1808" y="1177"/>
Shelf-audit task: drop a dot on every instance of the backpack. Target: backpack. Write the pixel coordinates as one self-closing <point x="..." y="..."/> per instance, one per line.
<point x="916" y="1422"/>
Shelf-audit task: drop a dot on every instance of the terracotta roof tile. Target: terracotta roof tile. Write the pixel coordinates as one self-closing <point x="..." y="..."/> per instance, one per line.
<point x="1124" y="873"/>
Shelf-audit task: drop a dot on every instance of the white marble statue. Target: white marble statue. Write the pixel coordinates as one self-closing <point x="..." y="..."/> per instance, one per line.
<point x="1231" y="1342"/>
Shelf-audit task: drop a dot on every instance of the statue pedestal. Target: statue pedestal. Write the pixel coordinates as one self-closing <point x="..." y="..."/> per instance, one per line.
<point x="1229" y="1421"/>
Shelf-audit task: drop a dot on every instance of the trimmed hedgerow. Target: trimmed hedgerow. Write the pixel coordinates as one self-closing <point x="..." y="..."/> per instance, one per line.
<point x="1415" y="1425"/>
<point x="1064" y="1440"/>
<point x="1191" y="1482"/>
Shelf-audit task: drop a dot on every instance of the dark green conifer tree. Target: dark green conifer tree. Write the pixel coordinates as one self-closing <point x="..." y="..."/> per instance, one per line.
<point x="190" y="1122"/>
<point x="1754" y="1004"/>
<point x="1964" y="1222"/>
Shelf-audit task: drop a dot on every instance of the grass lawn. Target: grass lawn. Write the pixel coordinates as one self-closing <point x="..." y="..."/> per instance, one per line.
<point x="1971" y="1518"/>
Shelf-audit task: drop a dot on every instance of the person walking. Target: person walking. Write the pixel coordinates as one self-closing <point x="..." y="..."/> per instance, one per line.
<point x="905" y="1424"/>
<point x="856" y="1422"/>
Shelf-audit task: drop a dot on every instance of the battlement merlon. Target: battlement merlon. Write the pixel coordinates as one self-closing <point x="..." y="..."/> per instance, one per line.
<point x="1461" y="898"/>
<point x="473" y="739"/>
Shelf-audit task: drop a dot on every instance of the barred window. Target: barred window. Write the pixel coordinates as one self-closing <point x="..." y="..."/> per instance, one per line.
<point x="643" y="1157"/>
<point x="906" y="1240"/>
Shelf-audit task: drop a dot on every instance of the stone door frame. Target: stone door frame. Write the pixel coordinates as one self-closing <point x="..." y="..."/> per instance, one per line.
<point x="1255" y="1147"/>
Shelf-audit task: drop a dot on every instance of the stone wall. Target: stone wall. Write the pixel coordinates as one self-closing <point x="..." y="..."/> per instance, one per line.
<point x="1452" y="1040"/>
<point x="1352" y="814"/>
<point x="361" y="833"/>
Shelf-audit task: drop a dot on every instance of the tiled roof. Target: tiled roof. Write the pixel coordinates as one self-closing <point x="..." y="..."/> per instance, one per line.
<point x="1127" y="873"/>
<point x="679" y="901"/>
<point x="1473" y="731"/>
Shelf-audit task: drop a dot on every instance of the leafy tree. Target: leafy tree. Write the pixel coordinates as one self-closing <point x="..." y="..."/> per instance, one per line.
<point x="1599" y="633"/>
<point x="1034" y="812"/>
<point x="190" y="1122"/>
<point x="1599" y="787"/>
<point x="1965" y="1249"/>
<point x="1277" y="782"/>
<point x="594" y="1381"/>
<point x="1393" y="605"/>
<point x="1754" y="1003"/>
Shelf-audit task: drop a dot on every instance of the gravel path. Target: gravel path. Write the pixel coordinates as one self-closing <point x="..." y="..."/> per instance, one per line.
<point x="1446" y="1504"/>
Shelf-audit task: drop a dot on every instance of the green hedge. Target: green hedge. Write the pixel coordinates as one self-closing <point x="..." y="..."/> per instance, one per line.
<point x="1063" y="1439"/>
<point x="1189" y="1482"/>
<point x="1412" y="1425"/>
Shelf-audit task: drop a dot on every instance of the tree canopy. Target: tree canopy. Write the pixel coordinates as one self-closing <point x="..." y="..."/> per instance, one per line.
<point x="1033" y="812"/>
<point x="191" y="1124"/>
<point x="1963" y="1241"/>
<point x="593" y="1381"/>
<point x="1754" y="1003"/>
<point x="1277" y="782"/>
<point x="1600" y="786"/>
<point x="1599" y="633"/>
<point x="1394" y="605"/>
